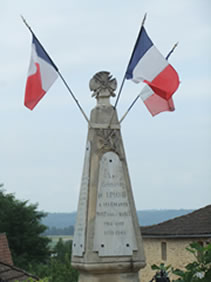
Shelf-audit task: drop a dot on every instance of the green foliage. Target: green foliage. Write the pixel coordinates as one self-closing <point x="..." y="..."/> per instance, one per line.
<point x="58" y="268"/>
<point x="22" y="224"/>
<point x="197" y="271"/>
<point x="162" y="272"/>
<point x="30" y="249"/>
<point x="34" y="280"/>
<point x="60" y="265"/>
<point x="161" y="267"/>
<point x="200" y="269"/>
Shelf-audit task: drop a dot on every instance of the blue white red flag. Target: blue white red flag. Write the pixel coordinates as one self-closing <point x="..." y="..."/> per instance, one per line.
<point x="154" y="103"/>
<point x="41" y="74"/>
<point x="147" y="64"/>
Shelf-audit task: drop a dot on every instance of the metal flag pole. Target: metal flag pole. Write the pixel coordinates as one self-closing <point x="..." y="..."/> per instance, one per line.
<point x="172" y="50"/>
<point x="123" y="81"/>
<point x="132" y="104"/>
<point x="73" y="96"/>
<point x="134" y="101"/>
<point x="124" y="77"/>
<point x="56" y="68"/>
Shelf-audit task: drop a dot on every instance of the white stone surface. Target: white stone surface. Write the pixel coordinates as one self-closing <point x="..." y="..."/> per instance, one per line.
<point x="107" y="243"/>
<point x="80" y="226"/>
<point x="114" y="231"/>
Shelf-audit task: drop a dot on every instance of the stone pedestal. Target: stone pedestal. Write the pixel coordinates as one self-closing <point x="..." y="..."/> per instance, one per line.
<point x="107" y="245"/>
<point x="115" y="277"/>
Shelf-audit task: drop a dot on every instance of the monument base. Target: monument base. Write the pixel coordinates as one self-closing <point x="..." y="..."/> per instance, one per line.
<point x="112" y="277"/>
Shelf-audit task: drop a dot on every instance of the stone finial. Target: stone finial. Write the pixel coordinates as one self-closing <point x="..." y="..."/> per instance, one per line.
<point x="103" y="85"/>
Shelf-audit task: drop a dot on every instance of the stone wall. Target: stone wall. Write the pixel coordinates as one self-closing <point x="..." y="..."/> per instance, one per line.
<point x="167" y="251"/>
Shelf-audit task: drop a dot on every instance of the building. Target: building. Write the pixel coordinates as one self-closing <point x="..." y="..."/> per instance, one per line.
<point x="167" y="242"/>
<point x="8" y="272"/>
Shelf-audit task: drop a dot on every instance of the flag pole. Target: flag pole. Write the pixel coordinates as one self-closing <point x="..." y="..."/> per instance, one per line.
<point x="73" y="96"/>
<point x="30" y="29"/>
<point x="124" y="77"/>
<point x="62" y="78"/>
<point x="138" y="96"/>
<point x="172" y="50"/>
<point x="132" y="104"/>
<point x="123" y="81"/>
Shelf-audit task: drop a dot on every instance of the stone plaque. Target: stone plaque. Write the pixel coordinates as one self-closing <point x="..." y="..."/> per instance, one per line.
<point x="79" y="234"/>
<point x="114" y="231"/>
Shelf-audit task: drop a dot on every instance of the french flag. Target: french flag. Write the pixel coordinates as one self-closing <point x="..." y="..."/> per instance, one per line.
<point x="41" y="74"/>
<point x="147" y="64"/>
<point x="154" y="103"/>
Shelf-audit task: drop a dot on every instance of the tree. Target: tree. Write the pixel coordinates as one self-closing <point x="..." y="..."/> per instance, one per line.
<point x="58" y="268"/>
<point x="21" y="222"/>
<point x="61" y="269"/>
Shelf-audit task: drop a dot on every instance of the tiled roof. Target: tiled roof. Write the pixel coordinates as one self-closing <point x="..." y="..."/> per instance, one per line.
<point x="195" y="224"/>
<point x="5" y="255"/>
<point x="10" y="273"/>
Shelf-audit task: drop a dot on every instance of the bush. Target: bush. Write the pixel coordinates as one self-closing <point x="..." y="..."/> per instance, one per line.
<point x="197" y="271"/>
<point x="200" y="269"/>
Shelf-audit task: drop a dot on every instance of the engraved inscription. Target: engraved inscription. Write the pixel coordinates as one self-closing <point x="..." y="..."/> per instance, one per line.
<point x="114" y="230"/>
<point x="79" y="234"/>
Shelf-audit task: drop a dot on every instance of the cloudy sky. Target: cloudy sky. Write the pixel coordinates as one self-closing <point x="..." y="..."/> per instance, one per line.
<point x="42" y="151"/>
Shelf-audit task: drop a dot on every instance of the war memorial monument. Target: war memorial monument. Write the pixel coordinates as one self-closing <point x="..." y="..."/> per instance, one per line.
<point x="107" y="245"/>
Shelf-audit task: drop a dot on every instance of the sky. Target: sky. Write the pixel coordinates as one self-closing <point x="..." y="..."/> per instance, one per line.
<point x="42" y="151"/>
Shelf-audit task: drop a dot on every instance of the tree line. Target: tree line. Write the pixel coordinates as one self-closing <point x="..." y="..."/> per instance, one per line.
<point x="59" y="231"/>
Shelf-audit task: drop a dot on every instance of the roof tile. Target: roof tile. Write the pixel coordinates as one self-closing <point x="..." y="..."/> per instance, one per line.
<point x="197" y="223"/>
<point x="5" y="255"/>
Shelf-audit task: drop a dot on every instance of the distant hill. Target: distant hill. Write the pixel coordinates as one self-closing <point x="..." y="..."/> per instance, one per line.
<point x="149" y="217"/>
<point x="145" y="217"/>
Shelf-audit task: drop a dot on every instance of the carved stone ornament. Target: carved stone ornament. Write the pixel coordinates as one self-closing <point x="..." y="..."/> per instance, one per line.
<point x="108" y="140"/>
<point x="103" y="85"/>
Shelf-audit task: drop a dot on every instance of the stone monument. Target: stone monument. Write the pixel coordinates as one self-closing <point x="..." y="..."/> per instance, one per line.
<point x="107" y="245"/>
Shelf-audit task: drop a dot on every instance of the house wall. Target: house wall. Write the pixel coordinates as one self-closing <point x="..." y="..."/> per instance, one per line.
<point x="176" y="254"/>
